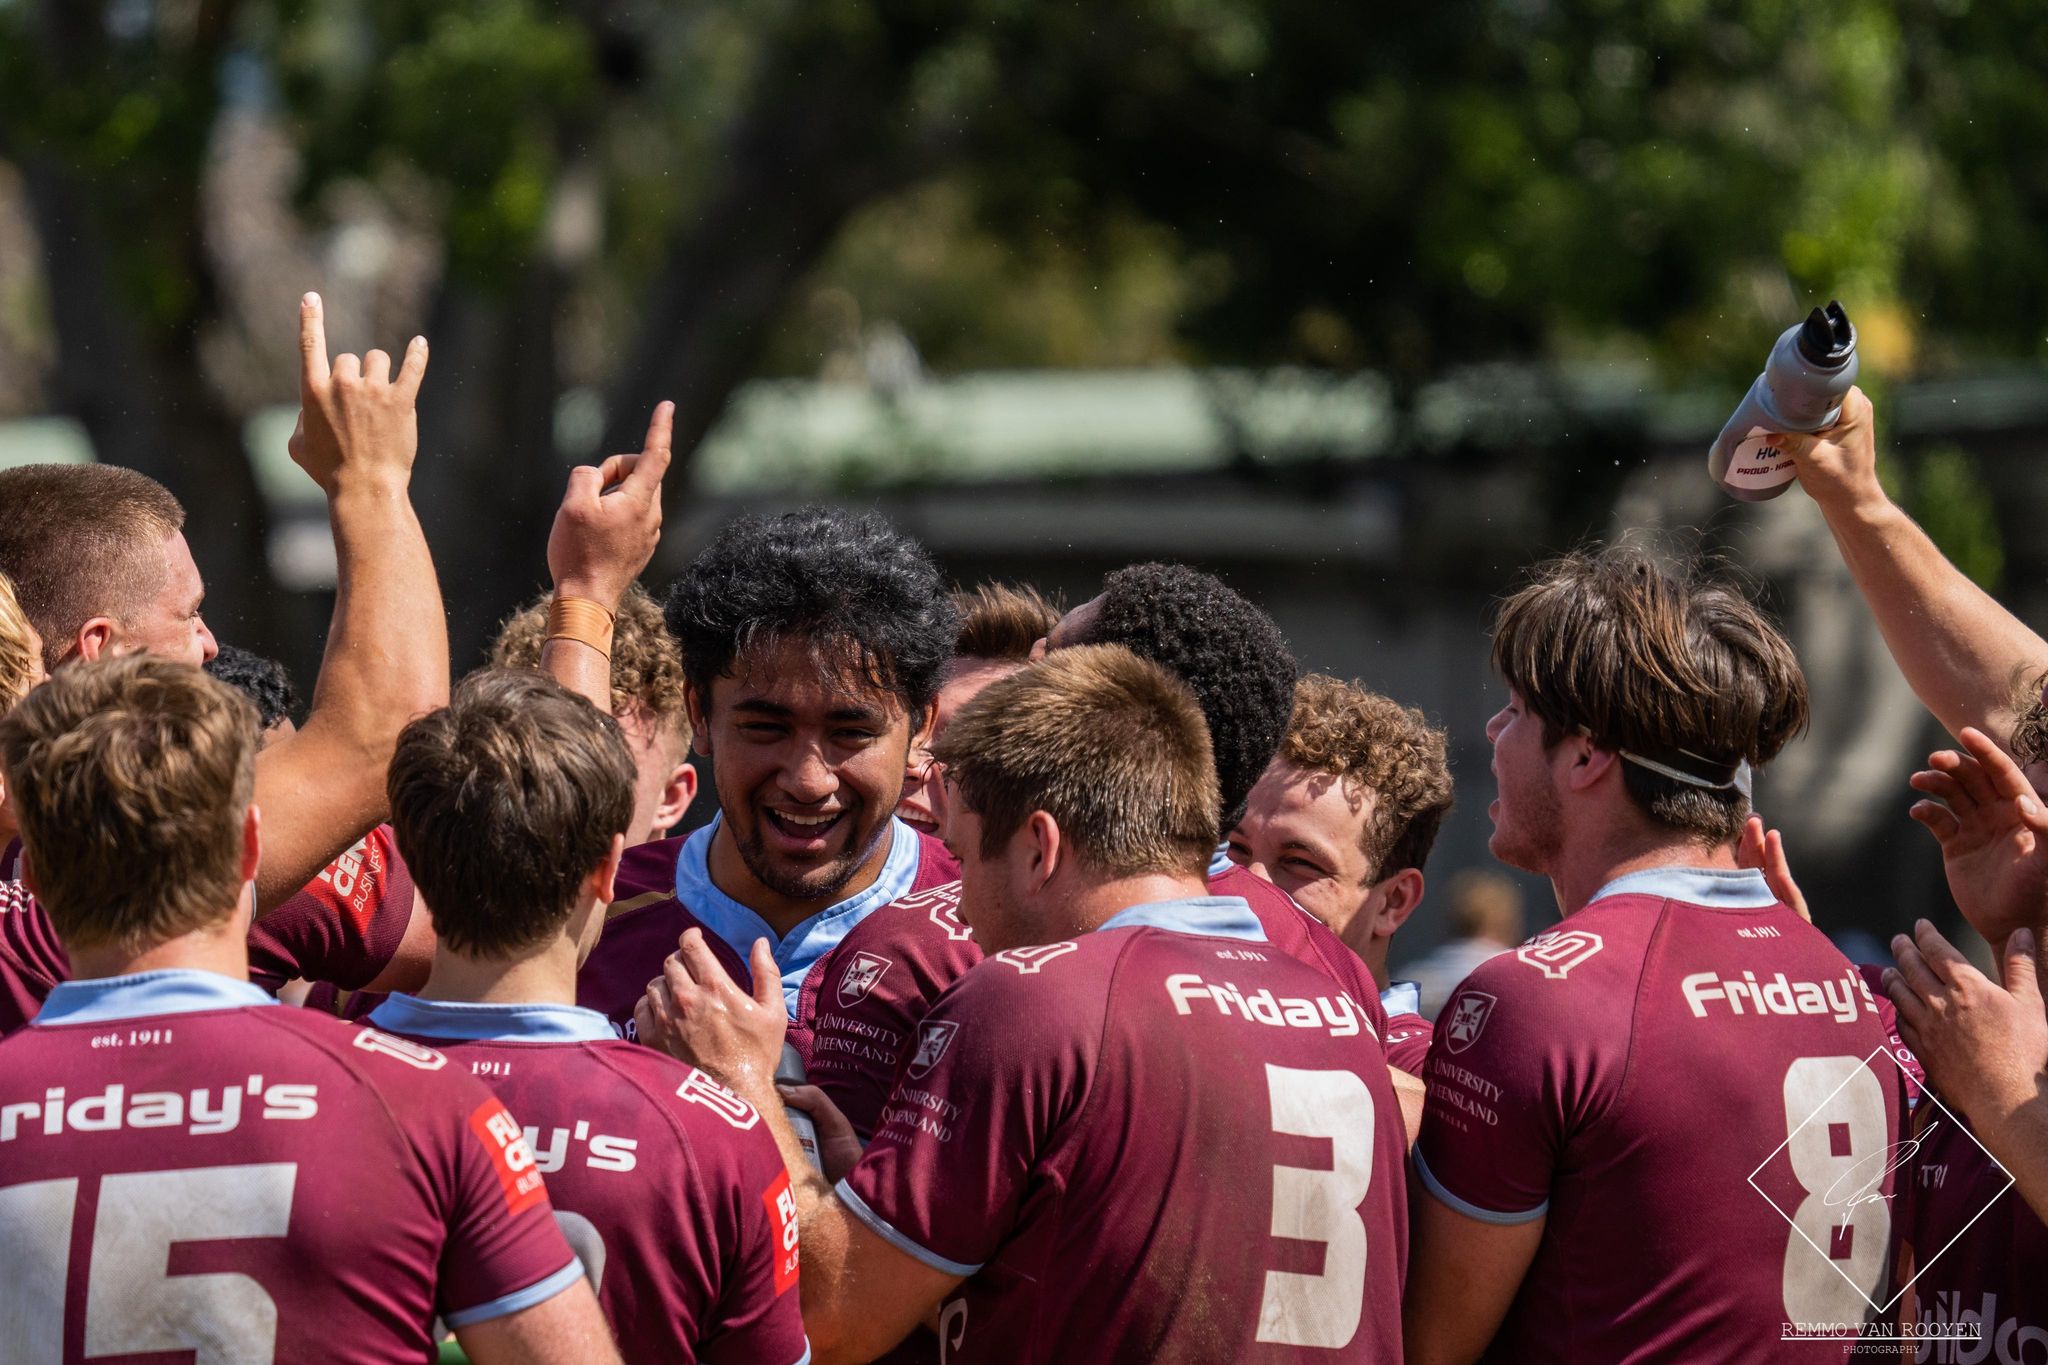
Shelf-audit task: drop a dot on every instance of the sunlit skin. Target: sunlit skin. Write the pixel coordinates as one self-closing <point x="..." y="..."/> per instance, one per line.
<point x="1305" y="833"/>
<point x="1071" y="629"/>
<point x="166" y="623"/>
<point x="964" y="680"/>
<point x="664" y="783"/>
<point x="808" y="771"/>
<point x="1526" y="815"/>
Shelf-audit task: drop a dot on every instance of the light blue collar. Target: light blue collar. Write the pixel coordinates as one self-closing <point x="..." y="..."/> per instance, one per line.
<point x="1716" y="888"/>
<point x="1205" y="916"/>
<point x="173" y="990"/>
<point x="810" y="940"/>
<point x="1220" y="861"/>
<point x="1402" y="997"/>
<point x="468" y="1021"/>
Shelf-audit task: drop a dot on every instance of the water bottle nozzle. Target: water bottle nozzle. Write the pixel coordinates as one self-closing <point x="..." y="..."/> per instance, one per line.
<point x="1827" y="336"/>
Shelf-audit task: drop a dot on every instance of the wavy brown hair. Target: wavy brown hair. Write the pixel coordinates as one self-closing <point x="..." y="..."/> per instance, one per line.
<point x="1671" y="665"/>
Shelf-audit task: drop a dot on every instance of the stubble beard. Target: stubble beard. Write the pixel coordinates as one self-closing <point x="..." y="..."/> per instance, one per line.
<point x="819" y="884"/>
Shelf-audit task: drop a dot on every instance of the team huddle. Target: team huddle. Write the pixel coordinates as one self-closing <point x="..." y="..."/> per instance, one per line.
<point x="1026" y="999"/>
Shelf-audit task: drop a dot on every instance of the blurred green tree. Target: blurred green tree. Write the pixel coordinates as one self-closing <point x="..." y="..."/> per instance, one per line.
<point x="660" y="201"/>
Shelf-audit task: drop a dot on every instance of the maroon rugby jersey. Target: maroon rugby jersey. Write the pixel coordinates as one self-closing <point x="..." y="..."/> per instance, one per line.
<point x="1408" y="1033"/>
<point x="1161" y="1141"/>
<point x="666" y="1183"/>
<point x="32" y="960"/>
<point x="344" y="926"/>
<point x="665" y="887"/>
<point x="186" y="1166"/>
<point x="1659" y="1075"/>
<point x="1978" y="1249"/>
<point x="865" y="1000"/>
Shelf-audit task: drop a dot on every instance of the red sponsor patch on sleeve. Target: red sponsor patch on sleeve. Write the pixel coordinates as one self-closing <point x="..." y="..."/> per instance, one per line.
<point x="511" y="1156"/>
<point x="780" y="1200"/>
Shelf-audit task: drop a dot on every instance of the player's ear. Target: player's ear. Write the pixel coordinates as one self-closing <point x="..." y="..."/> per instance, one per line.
<point x="1591" y="765"/>
<point x="1395" y="899"/>
<point x="1048" y="847"/>
<point x="599" y="884"/>
<point x="699" y="707"/>
<point x="252" y="842"/>
<point x="676" y="795"/>
<point x="95" y="639"/>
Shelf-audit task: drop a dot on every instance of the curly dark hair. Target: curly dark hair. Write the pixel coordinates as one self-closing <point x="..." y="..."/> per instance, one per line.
<point x="852" y="588"/>
<point x="1227" y="651"/>
<point x="263" y="681"/>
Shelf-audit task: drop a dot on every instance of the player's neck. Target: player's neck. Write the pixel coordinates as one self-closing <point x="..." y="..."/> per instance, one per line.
<point x="1580" y="878"/>
<point x="222" y="950"/>
<point x="546" y="977"/>
<point x="1091" y="906"/>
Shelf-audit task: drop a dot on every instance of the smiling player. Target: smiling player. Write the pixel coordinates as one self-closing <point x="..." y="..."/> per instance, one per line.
<point x="1343" y="820"/>
<point x="1134" y="1132"/>
<point x="812" y="645"/>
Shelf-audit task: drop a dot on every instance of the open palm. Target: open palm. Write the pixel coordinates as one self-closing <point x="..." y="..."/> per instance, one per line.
<point x="1993" y="832"/>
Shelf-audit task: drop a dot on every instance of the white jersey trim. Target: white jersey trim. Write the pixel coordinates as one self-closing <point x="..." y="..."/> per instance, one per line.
<point x="896" y="1239"/>
<point x="518" y="1299"/>
<point x="1466" y="1206"/>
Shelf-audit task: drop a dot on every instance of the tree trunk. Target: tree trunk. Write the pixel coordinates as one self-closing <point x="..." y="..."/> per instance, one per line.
<point x="488" y="478"/>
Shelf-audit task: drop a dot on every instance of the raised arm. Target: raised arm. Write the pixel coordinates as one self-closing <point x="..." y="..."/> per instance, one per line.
<point x="1964" y="655"/>
<point x="387" y="646"/>
<point x="603" y="536"/>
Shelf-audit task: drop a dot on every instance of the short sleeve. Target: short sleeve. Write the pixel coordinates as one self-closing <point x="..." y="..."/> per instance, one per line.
<point x="1496" y="1116"/>
<point x="504" y="1252"/>
<point x="759" y="1319"/>
<point x="344" y="926"/>
<point x="994" y="1071"/>
<point x="32" y="960"/>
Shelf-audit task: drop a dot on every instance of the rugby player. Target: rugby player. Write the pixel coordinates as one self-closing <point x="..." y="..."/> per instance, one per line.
<point x="1972" y="1251"/>
<point x="102" y="569"/>
<point x="185" y="1166"/>
<point x="1343" y="820"/>
<point x="1000" y="623"/>
<point x="1135" y="1131"/>
<point x="1683" y="1067"/>
<point x="813" y="643"/>
<point x="878" y="984"/>
<point x="514" y="806"/>
<point x="101" y="566"/>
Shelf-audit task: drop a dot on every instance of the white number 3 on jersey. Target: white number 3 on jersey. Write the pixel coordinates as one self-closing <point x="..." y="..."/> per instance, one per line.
<point x="1320" y="1206"/>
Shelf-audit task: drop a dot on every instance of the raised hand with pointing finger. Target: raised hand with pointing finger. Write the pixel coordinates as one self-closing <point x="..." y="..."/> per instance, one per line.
<point x="356" y="418"/>
<point x="610" y="519"/>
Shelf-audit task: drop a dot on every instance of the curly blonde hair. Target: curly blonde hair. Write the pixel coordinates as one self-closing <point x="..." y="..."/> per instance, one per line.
<point x="18" y="648"/>
<point x="1375" y="744"/>
<point x="647" y="664"/>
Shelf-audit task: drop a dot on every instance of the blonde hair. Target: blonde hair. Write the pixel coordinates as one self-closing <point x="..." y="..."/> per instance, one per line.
<point x="18" y="649"/>
<point x="131" y="778"/>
